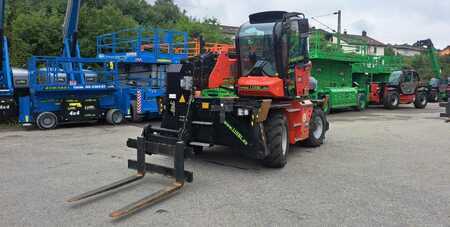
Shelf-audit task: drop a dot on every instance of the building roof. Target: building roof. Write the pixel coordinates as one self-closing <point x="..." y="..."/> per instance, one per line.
<point x="407" y="47"/>
<point x="361" y="39"/>
<point x="229" y="30"/>
<point x="351" y="39"/>
<point x="445" y="51"/>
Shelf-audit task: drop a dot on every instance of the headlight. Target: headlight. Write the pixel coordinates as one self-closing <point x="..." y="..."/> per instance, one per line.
<point x="243" y="112"/>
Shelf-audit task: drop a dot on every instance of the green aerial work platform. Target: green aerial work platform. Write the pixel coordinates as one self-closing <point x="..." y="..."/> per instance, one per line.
<point x="333" y="68"/>
<point x="344" y="72"/>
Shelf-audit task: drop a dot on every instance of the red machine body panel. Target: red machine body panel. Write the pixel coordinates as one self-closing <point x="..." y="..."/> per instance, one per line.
<point x="261" y="86"/>
<point x="407" y="99"/>
<point x="302" y="76"/>
<point x="374" y="96"/>
<point x="222" y="73"/>
<point x="299" y="115"/>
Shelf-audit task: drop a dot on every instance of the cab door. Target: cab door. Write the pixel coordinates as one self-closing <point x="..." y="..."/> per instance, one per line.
<point x="407" y="84"/>
<point x="299" y="65"/>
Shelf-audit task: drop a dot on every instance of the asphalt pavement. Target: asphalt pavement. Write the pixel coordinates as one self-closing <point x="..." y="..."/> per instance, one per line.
<point x="377" y="168"/>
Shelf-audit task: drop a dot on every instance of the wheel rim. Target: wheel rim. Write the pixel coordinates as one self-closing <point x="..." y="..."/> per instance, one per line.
<point x="422" y="100"/>
<point x="47" y="121"/>
<point x="116" y="117"/>
<point x="284" y="140"/>
<point x="318" y="127"/>
<point x="394" y="100"/>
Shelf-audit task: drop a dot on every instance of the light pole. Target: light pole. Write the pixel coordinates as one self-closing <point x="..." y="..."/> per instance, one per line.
<point x="339" y="26"/>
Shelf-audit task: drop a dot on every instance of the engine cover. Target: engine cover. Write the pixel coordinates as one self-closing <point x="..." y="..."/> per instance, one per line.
<point x="261" y="86"/>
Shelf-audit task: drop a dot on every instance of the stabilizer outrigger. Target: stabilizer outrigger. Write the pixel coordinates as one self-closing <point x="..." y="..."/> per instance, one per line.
<point x="153" y="141"/>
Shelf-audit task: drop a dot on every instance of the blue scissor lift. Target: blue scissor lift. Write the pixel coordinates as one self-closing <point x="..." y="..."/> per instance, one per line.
<point x="71" y="88"/>
<point x="144" y="56"/>
<point x="7" y="101"/>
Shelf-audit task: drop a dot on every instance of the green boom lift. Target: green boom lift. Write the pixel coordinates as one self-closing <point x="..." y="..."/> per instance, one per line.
<point x="438" y="85"/>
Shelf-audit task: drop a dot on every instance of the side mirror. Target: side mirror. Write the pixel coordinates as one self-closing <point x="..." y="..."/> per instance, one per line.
<point x="303" y="25"/>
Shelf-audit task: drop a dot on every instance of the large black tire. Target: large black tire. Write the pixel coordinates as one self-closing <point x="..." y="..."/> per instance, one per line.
<point x="277" y="137"/>
<point x="114" y="117"/>
<point x="421" y="100"/>
<point x="135" y="117"/>
<point x="46" y="121"/>
<point x="392" y="100"/>
<point x="317" y="129"/>
<point x="361" y="102"/>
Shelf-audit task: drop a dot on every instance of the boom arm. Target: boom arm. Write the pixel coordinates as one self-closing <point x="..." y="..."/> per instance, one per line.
<point x="70" y="32"/>
<point x="2" y="18"/>
<point x="436" y="66"/>
<point x="70" y="37"/>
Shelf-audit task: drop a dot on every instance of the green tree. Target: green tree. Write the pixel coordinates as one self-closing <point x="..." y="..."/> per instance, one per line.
<point x="445" y="64"/>
<point x="389" y="51"/>
<point x="164" y="13"/>
<point x="36" y="33"/>
<point x="422" y="64"/>
<point x="95" y="22"/>
<point x="208" y="28"/>
<point x="137" y="9"/>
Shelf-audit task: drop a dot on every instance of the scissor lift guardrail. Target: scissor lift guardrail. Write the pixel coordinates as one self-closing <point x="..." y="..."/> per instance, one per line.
<point x="144" y="45"/>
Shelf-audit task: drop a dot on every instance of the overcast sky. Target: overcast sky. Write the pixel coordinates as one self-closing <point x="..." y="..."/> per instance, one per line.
<point x="394" y="21"/>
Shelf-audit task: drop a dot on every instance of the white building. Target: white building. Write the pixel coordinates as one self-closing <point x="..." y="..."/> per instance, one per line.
<point x="374" y="46"/>
<point x="407" y="50"/>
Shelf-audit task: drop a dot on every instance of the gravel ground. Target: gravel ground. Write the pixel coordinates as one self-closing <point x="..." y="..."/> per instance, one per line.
<point x="377" y="168"/>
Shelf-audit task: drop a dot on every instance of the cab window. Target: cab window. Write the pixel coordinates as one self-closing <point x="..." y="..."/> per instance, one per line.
<point x="407" y="77"/>
<point x="295" y="52"/>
